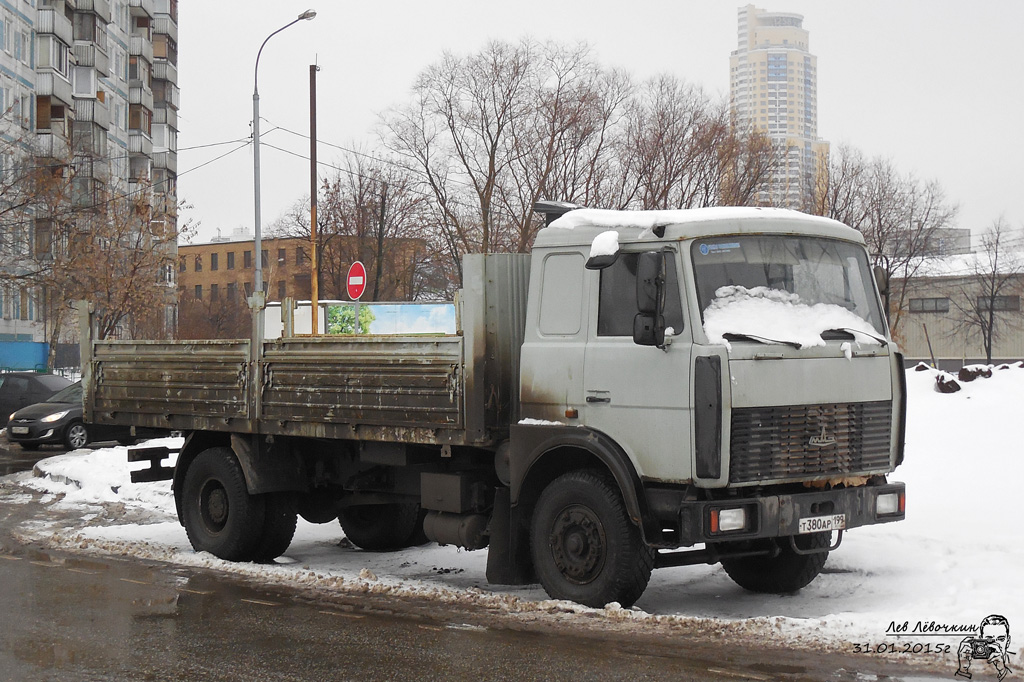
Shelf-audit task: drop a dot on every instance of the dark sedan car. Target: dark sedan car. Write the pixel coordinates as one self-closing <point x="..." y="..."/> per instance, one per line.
<point x="59" y="420"/>
<point x="18" y="389"/>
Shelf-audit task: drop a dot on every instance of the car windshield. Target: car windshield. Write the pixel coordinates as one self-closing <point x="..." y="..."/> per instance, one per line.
<point x="803" y="271"/>
<point x="70" y="394"/>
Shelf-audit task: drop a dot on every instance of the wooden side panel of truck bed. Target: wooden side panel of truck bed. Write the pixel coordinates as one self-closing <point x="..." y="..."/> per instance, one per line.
<point x="377" y="388"/>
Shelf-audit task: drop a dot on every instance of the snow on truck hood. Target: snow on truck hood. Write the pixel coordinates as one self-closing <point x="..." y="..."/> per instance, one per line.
<point x="779" y="316"/>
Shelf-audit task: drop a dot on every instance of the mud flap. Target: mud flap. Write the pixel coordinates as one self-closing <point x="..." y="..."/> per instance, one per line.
<point x="508" y="555"/>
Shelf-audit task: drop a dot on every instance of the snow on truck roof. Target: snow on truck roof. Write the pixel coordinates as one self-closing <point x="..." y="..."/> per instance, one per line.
<point x="581" y="226"/>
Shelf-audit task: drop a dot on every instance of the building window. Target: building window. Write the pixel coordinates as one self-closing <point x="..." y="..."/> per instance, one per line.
<point x="929" y="305"/>
<point x="247" y="260"/>
<point x="999" y="303"/>
<point x="199" y="262"/>
<point x="214" y="292"/>
<point x="199" y="291"/>
<point x="265" y="259"/>
<point x="280" y="290"/>
<point x="281" y="255"/>
<point x="300" y="255"/>
<point x="232" y="291"/>
<point x="181" y="264"/>
<point x="214" y="261"/>
<point x="231" y="260"/>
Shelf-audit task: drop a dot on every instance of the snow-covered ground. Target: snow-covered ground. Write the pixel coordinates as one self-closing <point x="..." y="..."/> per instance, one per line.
<point x="957" y="558"/>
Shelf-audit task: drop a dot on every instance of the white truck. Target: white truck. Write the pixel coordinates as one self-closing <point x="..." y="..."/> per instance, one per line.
<point x="645" y="389"/>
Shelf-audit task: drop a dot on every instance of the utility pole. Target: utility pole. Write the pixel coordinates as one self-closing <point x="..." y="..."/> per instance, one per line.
<point x="314" y="284"/>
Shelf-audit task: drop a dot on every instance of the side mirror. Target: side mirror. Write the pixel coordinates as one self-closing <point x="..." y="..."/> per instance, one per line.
<point x="649" y="330"/>
<point x="881" y="280"/>
<point x="601" y="262"/>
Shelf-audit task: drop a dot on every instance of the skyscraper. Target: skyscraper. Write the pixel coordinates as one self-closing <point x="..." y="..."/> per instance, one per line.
<point x="774" y="89"/>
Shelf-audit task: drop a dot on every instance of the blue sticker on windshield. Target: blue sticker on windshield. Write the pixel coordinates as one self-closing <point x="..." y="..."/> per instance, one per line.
<point x="705" y="249"/>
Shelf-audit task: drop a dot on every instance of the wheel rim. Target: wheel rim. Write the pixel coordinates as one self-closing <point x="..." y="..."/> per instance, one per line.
<point x="213" y="506"/>
<point x="578" y="544"/>
<point x="77" y="435"/>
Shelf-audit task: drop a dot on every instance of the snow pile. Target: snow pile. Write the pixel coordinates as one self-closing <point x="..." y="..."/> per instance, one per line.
<point x="778" y="315"/>
<point x="955" y="560"/>
<point x="598" y="217"/>
<point x="605" y="244"/>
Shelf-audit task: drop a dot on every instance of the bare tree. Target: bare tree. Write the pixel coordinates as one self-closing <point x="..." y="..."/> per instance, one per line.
<point x="367" y="211"/>
<point x="988" y="296"/>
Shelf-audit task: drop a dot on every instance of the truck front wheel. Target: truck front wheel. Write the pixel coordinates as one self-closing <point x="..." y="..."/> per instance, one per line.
<point x="788" y="571"/>
<point x="584" y="546"/>
<point x="219" y="514"/>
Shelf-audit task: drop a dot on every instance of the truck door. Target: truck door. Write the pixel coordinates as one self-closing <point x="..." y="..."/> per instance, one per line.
<point x="639" y="395"/>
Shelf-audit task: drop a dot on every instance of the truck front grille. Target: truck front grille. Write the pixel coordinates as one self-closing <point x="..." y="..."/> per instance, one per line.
<point x="809" y="441"/>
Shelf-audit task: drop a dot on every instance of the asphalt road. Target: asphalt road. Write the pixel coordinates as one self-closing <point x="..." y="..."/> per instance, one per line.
<point x="77" y="618"/>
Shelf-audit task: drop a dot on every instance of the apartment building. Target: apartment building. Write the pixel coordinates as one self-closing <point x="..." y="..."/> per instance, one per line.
<point x="773" y="88"/>
<point x="88" y="88"/>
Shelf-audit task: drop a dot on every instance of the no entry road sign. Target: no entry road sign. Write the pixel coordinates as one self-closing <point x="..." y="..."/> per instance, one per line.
<point x="356" y="281"/>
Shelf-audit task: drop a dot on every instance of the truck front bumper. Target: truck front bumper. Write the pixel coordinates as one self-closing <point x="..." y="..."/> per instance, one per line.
<point x="686" y="522"/>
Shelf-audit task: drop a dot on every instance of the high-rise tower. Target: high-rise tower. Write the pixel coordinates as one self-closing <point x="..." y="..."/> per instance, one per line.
<point x="774" y="89"/>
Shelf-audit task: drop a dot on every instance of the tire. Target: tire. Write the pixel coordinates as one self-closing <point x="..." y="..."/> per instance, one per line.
<point x="76" y="436"/>
<point x="584" y="546"/>
<point x="278" y="526"/>
<point x="29" y="446"/>
<point x="381" y="527"/>
<point x="787" y="572"/>
<point x="219" y="514"/>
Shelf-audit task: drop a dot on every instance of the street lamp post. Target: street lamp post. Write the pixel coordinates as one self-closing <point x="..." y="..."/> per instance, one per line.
<point x="258" y="240"/>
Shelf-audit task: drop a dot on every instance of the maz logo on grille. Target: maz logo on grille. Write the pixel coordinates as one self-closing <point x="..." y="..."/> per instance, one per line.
<point x="822" y="440"/>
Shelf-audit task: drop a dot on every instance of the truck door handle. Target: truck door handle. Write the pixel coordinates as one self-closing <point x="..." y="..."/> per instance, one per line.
<point x="598" y="399"/>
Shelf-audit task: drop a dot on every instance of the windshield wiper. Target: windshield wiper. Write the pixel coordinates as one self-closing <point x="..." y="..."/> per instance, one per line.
<point x="733" y="336"/>
<point x="853" y="332"/>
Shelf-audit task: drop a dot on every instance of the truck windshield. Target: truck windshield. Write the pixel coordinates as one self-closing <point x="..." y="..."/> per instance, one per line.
<point x="800" y="270"/>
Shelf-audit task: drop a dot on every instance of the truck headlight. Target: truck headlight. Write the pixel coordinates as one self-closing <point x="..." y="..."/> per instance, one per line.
<point x="725" y="520"/>
<point x="889" y="504"/>
<point x="56" y="416"/>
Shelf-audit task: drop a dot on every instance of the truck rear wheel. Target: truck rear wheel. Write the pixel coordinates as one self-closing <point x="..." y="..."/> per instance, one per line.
<point x="278" y="526"/>
<point x="219" y="514"/>
<point x="786" y="572"/>
<point x="585" y="547"/>
<point x="381" y="527"/>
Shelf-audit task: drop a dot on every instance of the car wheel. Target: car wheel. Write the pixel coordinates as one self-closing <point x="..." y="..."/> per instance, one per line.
<point x="76" y="436"/>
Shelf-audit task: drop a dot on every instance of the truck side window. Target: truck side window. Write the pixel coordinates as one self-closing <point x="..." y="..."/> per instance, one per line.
<point x="617" y="303"/>
<point x="561" y="303"/>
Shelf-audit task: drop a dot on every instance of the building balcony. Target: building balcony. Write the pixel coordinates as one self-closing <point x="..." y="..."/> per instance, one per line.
<point x="94" y="111"/>
<point x="139" y="143"/>
<point x="164" y="24"/>
<point x="165" y="71"/>
<point x="56" y="86"/>
<point x="141" y="46"/>
<point x="167" y="159"/>
<point x="138" y="94"/>
<point x="52" y="146"/>
<point x="166" y="115"/>
<point x="100" y="8"/>
<point x="48" y="20"/>
<point x="91" y="54"/>
<point x="142" y="8"/>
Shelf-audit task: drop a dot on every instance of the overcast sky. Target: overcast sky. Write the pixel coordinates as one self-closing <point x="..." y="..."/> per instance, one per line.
<point x="935" y="86"/>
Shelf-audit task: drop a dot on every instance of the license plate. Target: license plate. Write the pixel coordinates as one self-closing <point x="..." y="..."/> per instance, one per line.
<point x="19" y="430"/>
<point x="821" y="524"/>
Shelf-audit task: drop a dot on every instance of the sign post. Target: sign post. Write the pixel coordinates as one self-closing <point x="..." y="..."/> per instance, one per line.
<point x="355" y="283"/>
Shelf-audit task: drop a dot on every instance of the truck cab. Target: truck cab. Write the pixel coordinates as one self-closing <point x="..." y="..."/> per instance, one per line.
<point x="728" y="369"/>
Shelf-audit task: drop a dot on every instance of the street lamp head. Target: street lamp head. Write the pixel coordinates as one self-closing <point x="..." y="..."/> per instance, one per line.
<point x="308" y="14"/>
